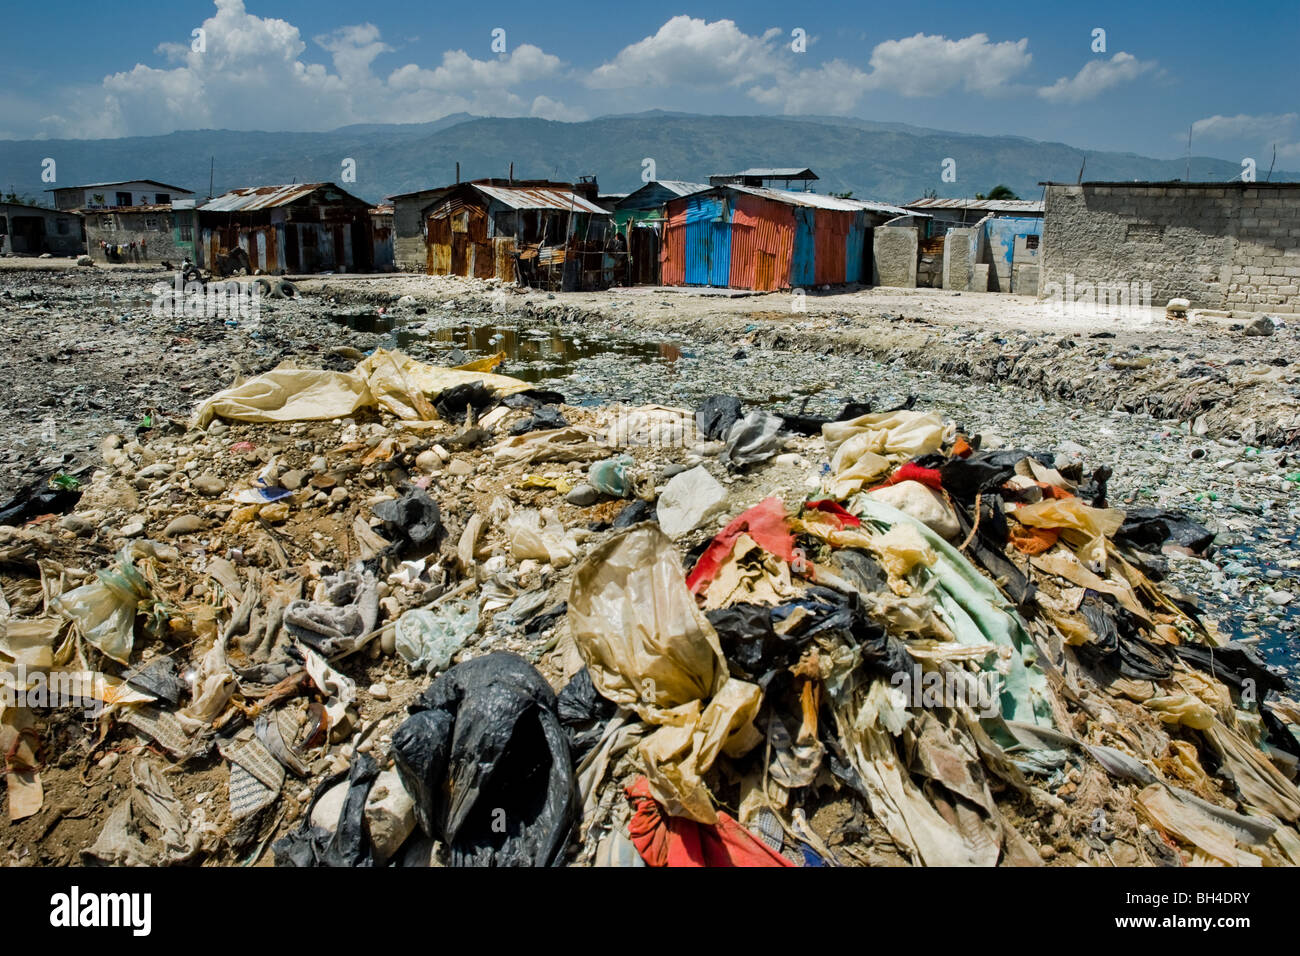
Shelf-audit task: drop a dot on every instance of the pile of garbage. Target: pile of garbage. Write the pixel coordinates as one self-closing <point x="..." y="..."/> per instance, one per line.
<point x="421" y="616"/>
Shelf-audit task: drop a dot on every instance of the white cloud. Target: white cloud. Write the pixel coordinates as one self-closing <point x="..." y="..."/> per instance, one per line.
<point x="252" y="75"/>
<point x="1096" y="77"/>
<point x="1243" y="124"/>
<point x="689" y="51"/>
<point x="834" y="87"/>
<point x="546" y="108"/>
<point x="920" y="65"/>
<point x="926" y="65"/>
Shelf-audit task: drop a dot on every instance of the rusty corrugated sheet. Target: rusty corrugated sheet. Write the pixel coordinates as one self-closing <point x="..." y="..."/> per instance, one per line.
<point x="831" y="239"/>
<point x="672" y="260"/>
<point x="533" y="197"/>
<point x="762" y="244"/>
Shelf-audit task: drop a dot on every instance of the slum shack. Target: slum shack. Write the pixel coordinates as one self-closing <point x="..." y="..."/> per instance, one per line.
<point x="301" y="227"/>
<point x="539" y="233"/>
<point x="753" y="237"/>
<point x="639" y="219"/>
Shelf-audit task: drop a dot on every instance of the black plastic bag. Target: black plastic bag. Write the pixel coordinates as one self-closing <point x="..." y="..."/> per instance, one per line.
<point x="454" y="402"/>
<point x="1149" y="528"/>
<point x="545" y="416"/>
<point x="36" y="499"/>
<point x="349" y="844"/>
<point x="412" y="521"/>
<point x="963" y="478"/>
<point x="716" y="414"/>
<point x="746" y="636"/>
<point x="583" y="713"/>
<point x="487" y="762"/>
<point x="1117" y="640"/>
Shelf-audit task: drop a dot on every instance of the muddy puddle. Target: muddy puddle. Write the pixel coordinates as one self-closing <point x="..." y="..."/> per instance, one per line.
<point x="532" y="354"/>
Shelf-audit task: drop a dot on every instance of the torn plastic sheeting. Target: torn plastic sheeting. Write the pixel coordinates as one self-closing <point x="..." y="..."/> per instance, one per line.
<point x="1071" y="513"/>
<point x="574" y="443"/>
<point x="765" y="523"/>
<point x="649" y="648"/>
<point x="541" y="536"/>
<point x="386" y="379"/>
<point x="976" y="611"/>
<point x="754" y="438"/>
<point x="675" y="842"/>
<point x="428" y="638"/>
<point x="105" y="610"/>
<point x="487" y="763"/>
<point x="863" y="449"/>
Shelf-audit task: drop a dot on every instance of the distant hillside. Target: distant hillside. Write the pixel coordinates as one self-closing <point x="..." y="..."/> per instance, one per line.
<point x="886" y="161"/>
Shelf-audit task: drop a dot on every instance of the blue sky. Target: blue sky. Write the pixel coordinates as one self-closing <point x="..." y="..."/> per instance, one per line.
<point x="113" y="69"/>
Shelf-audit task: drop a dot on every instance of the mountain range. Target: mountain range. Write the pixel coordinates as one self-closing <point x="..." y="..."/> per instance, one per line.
<point x="888" y="162"/>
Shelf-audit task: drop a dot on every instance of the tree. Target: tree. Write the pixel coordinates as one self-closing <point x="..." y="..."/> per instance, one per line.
<point x="998" y="192"/>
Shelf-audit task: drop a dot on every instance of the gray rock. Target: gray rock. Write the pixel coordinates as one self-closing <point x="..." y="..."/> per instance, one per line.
<point x="159" y="469"/>
<point x="390" y="814"/>
<point x="133" y="528"/>
<point x="292" y="480"/>
<point x="209" y="485"/>
<point x="1261" y="326"/>
<point x="183" y="524"/>
<point x="582" y="495"/>
<point x="77" y="525"/>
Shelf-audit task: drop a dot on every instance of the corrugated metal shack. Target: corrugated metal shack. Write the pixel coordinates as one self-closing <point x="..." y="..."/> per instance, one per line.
<point x="539" y="233"/>
<point x="752" y="237"/>
<point x="301" y="227"/>
<point x="639" y="219"/>
<point x="381" y="225"/>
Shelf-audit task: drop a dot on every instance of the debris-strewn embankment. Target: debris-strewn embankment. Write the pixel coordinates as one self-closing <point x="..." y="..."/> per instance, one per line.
<point x="1206" y="372"/>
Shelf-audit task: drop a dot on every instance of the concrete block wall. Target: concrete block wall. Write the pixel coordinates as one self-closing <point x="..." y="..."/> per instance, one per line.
<point x="959" y="259"/>
<point x="894" y="256"/>
<point x="152" y="243"/>
<point x="1235" y="246"/>
<point x="410" y="254"/>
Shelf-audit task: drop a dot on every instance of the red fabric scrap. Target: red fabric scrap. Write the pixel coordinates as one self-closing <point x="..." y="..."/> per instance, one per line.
<point x="765" y="523"/>
<point x="908" y="471"/>
<point x="836" y="510"/>
<point x="679" y="841"/>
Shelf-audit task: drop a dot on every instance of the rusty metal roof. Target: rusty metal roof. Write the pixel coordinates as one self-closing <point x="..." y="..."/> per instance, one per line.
<point x="534" y="197"/>
<point x="250" y="198"/>
<point x="987" y="205"/>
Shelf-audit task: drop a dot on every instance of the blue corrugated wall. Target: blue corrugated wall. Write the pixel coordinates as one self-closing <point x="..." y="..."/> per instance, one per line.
<point x="803" y="267"/>
<point x="855" y="254"/>
<point x="708" y="242"/>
